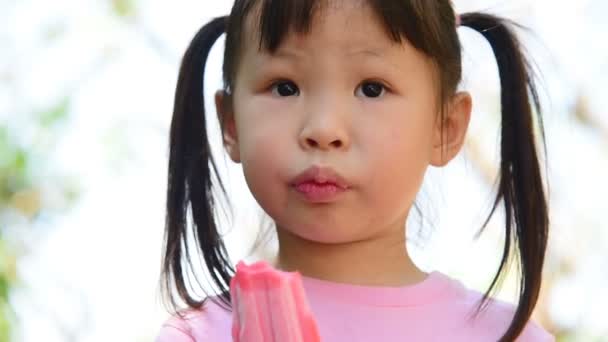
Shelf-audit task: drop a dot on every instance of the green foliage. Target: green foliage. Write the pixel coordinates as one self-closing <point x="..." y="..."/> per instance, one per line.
<point x="124" y="8"/>
<point x="7" y="278"/>
<point x="20" y="191"/>
<point x="13" y="167"/>
<point x="55" y="114"/>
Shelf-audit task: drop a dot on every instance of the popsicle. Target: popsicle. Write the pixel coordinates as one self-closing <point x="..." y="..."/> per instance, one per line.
<point x="270" y="305"/>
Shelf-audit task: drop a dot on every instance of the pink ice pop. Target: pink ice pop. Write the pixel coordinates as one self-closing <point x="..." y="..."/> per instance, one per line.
<point x="270" y="306"/>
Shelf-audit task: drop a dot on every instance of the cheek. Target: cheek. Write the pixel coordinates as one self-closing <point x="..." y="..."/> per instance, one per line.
<point x="263" y="142"/>
<point x="399" y="160"/>
<point x="262" y="150"/>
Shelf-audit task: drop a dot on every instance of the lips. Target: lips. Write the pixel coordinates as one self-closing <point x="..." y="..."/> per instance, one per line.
<point x="320" y="185"/>
<point x="321" y="176"/>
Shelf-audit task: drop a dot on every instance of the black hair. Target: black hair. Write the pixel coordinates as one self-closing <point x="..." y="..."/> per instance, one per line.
<point x="431" y="27"/>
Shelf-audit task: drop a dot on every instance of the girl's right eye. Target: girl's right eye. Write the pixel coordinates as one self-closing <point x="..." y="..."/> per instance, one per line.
<point x="285" y="88"/>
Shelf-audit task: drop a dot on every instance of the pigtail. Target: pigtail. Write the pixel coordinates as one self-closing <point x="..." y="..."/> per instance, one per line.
<point x="520" y="184"/>
<point x="189" y="179"/>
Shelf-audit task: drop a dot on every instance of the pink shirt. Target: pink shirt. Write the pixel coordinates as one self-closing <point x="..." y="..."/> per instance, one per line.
<point x="434" y="310"/>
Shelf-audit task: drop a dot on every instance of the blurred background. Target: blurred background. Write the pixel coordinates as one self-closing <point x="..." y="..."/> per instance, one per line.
<point x="86" y="96"/>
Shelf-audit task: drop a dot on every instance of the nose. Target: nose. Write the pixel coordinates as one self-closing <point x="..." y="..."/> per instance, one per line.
<point x="325" y="129"/>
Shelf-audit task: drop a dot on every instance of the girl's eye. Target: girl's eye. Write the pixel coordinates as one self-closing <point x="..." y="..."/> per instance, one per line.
<point x="285" y="88"/>
<point x="372" y="89"/>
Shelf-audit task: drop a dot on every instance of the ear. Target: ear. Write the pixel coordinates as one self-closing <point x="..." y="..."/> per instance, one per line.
<point x="455" y="125"/>
<point x="225" y="116"/>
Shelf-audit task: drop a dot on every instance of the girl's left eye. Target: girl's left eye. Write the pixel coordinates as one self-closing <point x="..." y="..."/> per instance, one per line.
<point x="285" y="88"/>
<point x="372" y="89"/>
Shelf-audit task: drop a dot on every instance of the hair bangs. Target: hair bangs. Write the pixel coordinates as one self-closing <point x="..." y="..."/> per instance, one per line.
<point x="406" y="19"/>
<point x="420" y="22"/>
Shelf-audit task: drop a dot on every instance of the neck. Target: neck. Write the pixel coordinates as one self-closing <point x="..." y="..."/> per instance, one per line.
<point x="377" y="261"/>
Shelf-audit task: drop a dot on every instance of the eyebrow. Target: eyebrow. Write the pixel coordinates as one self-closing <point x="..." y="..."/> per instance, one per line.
<point x="295" y="53"/>
<point x="376" y="53"/>
<point x="367" y="52"/>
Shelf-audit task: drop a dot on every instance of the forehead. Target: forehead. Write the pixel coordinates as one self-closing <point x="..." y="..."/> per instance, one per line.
<point x="267" y="25"/>
<point x="351" y="32"/>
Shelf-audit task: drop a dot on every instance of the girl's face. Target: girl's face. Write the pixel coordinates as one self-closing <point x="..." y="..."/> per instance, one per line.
<point x="346" y="97"/>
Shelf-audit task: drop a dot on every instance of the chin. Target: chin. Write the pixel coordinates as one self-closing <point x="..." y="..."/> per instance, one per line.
<point x="321" y="234"/>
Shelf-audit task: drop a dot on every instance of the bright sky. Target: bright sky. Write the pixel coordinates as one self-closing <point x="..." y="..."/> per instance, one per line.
<point x="96" y="271"/>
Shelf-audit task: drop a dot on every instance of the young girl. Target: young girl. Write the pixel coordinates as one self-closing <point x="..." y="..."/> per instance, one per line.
<point x="335" y="109"/>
